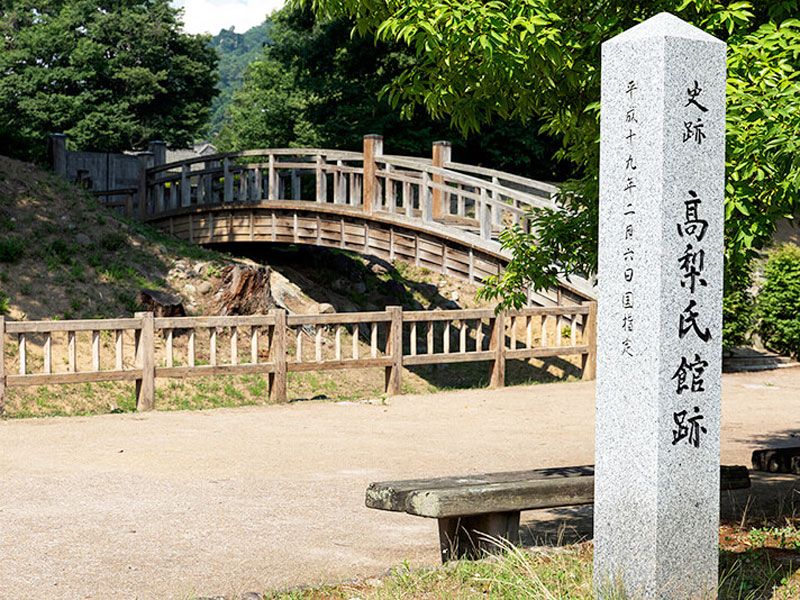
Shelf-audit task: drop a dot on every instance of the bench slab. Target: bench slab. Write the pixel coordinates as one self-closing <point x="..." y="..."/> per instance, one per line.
<point x="486" y="493"/>
<point x="476" y="510"/>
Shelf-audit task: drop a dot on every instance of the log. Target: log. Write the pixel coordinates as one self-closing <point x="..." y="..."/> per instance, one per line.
<point x="161" y="304"/>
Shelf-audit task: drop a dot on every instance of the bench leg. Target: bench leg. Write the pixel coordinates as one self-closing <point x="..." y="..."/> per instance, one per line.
<point x="468" y="536"/>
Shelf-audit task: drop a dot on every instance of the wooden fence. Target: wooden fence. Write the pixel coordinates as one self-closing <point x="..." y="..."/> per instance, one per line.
<point x="277" y="343"/>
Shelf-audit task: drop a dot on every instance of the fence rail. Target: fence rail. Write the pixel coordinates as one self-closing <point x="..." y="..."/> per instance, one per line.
<point x="144" y="348"/>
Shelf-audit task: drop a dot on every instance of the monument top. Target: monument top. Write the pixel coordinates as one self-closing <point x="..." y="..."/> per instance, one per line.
<point x="664" y="25"/>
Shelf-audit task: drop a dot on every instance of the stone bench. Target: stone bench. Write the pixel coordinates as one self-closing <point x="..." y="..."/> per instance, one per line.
<point x="476" y="506"/>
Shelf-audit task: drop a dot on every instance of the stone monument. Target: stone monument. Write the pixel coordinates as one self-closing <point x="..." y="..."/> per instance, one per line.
<point x="659" y="359"/>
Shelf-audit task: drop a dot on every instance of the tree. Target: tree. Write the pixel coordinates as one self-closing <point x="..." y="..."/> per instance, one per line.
<point x="540" y="59"/>
<point x="317" y="85"/>
<point x="236" y="51"/>
<point x="110" y="74"/>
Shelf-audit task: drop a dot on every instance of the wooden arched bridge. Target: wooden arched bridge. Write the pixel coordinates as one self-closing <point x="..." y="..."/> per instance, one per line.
<point x="433" y="213"/>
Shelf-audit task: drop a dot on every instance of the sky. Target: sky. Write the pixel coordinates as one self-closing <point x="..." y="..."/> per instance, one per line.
<point x="209" y="16"/>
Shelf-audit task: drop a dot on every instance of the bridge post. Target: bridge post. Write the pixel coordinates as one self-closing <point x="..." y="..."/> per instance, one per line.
<point x="442" y="153"/>
<point x="227" y="189"/>
<point x="145" y="162"/>
<point x="159" y="150"/>
<point x="373" y="148"/>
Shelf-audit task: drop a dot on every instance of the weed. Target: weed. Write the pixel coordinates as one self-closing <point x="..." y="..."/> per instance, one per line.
<point x="5" y="303"/>
<point x="11" y="249"/>
<point x="111" y="242"/>
<point x="75" y="304"/>
<point x="3" y="277"/>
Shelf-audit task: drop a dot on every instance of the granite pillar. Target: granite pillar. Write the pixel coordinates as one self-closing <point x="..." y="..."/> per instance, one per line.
<point x="660" y="311"/>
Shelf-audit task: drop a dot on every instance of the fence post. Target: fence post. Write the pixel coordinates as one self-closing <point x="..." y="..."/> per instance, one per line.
<point x="145" y="356"/>
<point x="277" y="354"/>
<point x="497" y="377"/>
<point x="2" y="366"/>
<point x="57" y="149"/>
<point x="589" y="359"/>
<point x="373" y="148"/>
<point x="394" y="348"/>
<point x="145" y="162"/>
<point x="442" y="153"/>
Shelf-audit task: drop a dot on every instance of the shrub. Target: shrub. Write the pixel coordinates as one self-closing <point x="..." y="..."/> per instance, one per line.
<point x="778" y="305"/>
<point x="5" y="304"/>
<point x="738" y="312"/>
<point x="113" y="241"/>
<point x="11" y="249"/>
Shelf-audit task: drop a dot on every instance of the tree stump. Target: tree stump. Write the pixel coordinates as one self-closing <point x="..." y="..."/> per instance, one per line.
<point x="245" y="290"/>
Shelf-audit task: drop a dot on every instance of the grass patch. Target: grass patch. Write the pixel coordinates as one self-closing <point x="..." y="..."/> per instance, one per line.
<point x="754" y="573"/>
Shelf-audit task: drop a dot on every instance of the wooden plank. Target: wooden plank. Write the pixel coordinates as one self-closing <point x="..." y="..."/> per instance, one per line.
<point x="77" y="325"/>
<point x="234" y="346"/>
<point x="373" y="344"/>
<point x="48" y="352"/>
<point x="23" y="353"/>
<point x="72" y="352"/>
<point x="232" y="321"/>
<point x="168" y="349"/>
<point x="118" y="349"/>
<point x="551" y="351"/>
<point x="95" y="350"/>
<point x="83" y="377"/>
<point x="254" y="345"/>
<point x="190" y="348"/>
<point x="439" y="358"/>
<point x="336" y="318"/>
<point x="447" y="315"/>
<point x="209" y="370"/>
<point x="332" y="365"/>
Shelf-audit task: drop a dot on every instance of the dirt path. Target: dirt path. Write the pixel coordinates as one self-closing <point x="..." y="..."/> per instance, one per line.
<point x="164" y="505"/>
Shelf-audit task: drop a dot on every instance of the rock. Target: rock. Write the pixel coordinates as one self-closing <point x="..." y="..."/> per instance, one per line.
<point x="246" y="290"/>
<point x="204" y="287"/>
<point x="83" y="239"/>
<point x="251" y="596"/>
<point x="454" y="296"/>
<point x="326" y="309"/>
<point x="359" y="287"/>
<point x="373" y="582"/>
<point x="161" y="304"/>
<point x="198" y="268"/>
<point x="395" y="289"/>
<point x="428" y="290"/>
<point x="189" y="289"/>
<point x="379" y="266"/>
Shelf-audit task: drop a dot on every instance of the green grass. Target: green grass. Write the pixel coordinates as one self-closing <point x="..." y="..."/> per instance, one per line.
<point x="554" y="574"/>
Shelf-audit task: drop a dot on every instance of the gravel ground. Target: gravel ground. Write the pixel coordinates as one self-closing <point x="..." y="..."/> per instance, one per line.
<point x="166" y="505"/>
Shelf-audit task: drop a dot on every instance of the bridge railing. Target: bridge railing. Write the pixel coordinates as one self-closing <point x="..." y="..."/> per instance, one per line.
<point x="481" y="201"/>
<point x="145" y="348"/>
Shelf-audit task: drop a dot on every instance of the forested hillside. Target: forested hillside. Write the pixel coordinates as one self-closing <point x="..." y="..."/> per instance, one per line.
<point x="236" y="51"/>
